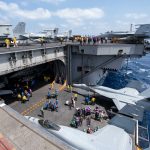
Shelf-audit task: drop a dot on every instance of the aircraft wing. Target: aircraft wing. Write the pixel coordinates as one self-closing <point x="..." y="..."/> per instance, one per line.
<point x="120" y="97"/>
<point x="100" y="92"/>
<point x="117" y="34"/>
<point x="82" y="86"/>
<point x="146" y="93"/>
<point x="118" y="104"/>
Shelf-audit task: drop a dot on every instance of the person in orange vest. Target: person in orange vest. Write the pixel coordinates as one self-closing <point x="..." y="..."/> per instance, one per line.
<point x="7" y="41"/>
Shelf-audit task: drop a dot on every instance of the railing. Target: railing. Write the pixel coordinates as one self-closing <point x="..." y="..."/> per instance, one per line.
<point x="141" y="141"/>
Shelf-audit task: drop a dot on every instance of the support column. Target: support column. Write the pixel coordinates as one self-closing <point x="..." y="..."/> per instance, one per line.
<point x="69" y="64"/>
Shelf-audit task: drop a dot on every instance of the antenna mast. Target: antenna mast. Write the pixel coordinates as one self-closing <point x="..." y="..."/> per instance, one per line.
<point x="131" y="27"/>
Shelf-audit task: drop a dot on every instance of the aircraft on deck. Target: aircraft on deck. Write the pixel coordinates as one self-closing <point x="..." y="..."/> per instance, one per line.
<point x="120" y="97"/>
<point x="63" y="36"/>
<point x="46" y="35"/>
<point x="36" y="37"/>
<point x="19" y="33"/>
<point x="142" y="32"/>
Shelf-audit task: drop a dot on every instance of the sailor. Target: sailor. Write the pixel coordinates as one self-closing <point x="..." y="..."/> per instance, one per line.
<point x="80" y="120"/>
<point x="30" y="91"/>
<point x="75" y="96"/>
<point x="93" y="100"/>
<point x="51" y="86"/>
<point x="77" y="121"/>
<point x="61" y="40"/>
<point x="46" y="105"/>
<point x="83" y="113"/>
<point x="97" y="115"/>
<point x="70" y="88"/>
<point x="24" y="98"/>
<point x="80" y="40"/>
<point x="15" y="42"/>
<point x="88" y="121"/>
<point x="49" y="94"/>
<point x="19" y="96"/>
<point x="70" y="104"/>
<point x="89" y="130"/>
<point x="56" y="102"/>
<point x="28" y="96"/>
<point x="42" y="112"/>
<point x="87" y="100"/>
<point x="89" y="40"/>
<point x="7" y="41"/>
<point x="41" y="41"/>
<point x="56" y="93"/>
<point x="84" y="40"/>
<point x="73" y="101"/>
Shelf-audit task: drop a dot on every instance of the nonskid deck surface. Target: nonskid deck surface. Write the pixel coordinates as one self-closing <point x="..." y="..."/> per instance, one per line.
<point x="34" y="46"/>
<point x="64" y="114"/>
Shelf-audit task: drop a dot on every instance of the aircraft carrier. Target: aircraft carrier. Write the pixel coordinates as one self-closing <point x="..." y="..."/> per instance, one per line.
<point x="77" y="62"/>
<point x="71" y="61"/>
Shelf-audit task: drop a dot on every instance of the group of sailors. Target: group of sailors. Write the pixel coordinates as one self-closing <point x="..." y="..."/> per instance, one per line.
<point x="90" y="40"/>
<point x="89" y="100"/>
<point x="82" y="39"/>
<point x="23" y="93"/>
<point x="8" y="42"/>
<point x="52" y="102"/>
<point x="51" y="105"/>
<point x="86" y="113"/>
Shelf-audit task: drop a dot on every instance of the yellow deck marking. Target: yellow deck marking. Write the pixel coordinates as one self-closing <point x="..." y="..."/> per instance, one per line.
<point x="33" y="107"/>
<point x="38" y="104"/>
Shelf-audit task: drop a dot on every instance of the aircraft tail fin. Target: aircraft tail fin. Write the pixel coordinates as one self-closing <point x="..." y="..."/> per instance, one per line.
<point x="19" y="29"/>
<point x="143" y="30"/>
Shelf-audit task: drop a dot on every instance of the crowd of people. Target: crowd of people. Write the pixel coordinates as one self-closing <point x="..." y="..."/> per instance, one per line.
<point x="90" y="40"/>
<point x="81" y="39"/>
<point x="86" y="113"/>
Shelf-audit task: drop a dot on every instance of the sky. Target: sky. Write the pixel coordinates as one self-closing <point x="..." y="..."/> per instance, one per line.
<point x="85" y="17"/>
